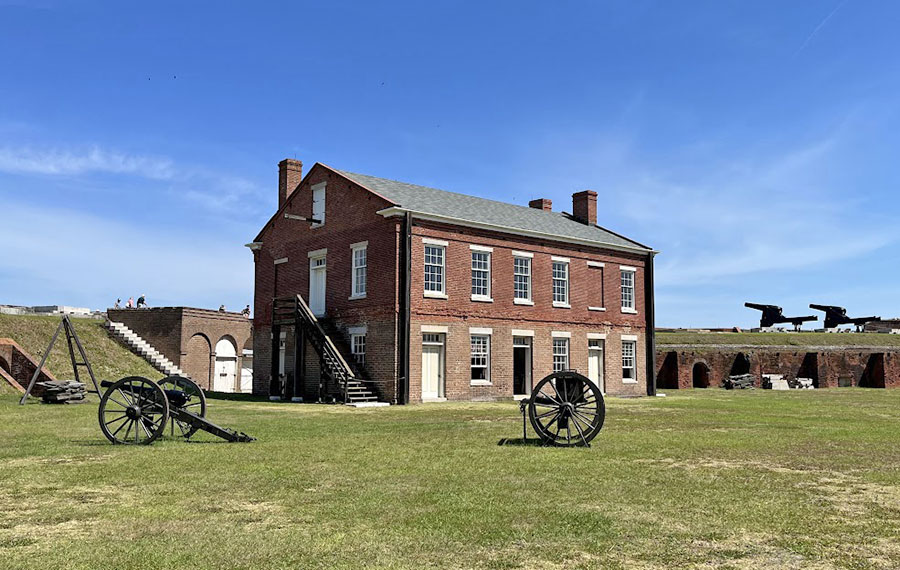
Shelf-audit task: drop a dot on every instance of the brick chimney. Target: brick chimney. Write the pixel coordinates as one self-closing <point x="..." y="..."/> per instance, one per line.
<point x="290" y="173"/>
<point x="584" y="206"/>
<point x="541" y="204"/>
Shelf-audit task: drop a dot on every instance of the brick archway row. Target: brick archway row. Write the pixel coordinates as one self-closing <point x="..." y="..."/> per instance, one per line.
<point x="873" y="368"/>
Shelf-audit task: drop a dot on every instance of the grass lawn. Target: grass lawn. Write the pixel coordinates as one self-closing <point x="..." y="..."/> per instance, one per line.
<point x="704" y="479"/>
<point x="778" y="339"/>
<point x="109" y="359"/>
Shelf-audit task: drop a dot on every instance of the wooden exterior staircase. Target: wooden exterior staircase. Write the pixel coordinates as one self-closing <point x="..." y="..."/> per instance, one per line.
<point x="339" y="378"/>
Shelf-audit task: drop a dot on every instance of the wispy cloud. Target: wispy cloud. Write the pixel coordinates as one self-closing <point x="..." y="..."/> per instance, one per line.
<point x="718" y="215"/>
<point x="109" y="258"/>
<point x="212" y="190"/>
<point x="819" y="27"/>
<point x="58" y="161"/>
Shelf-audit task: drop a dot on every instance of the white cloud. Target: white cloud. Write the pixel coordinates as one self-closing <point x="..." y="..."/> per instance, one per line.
<point x="58" y="161"/>
<point x="216" y="192"/>
<point x="716" y="215"/>
<point x="70" y="257"/>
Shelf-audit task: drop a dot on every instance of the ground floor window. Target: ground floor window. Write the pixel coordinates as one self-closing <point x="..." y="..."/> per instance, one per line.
<point x="628" y="352"/>
<point x="560" y="354"/>
<point x="481" y="357"/>
<point x="358" y="347"/>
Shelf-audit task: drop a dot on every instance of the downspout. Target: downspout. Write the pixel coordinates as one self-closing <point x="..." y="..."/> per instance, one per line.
<point x="650" y="310"/>
<point x="402" y="393"/>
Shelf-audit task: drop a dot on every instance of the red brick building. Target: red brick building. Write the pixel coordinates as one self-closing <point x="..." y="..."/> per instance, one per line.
<point x="434" y="295"/>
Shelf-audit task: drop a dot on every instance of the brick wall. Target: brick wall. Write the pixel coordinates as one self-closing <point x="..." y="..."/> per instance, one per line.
<point x="18" y="366"/>
<point x="871" y="367"/>
<point x="350" y="217"/>
<point x="188" y="336"/>
<point x="588" y="287"/>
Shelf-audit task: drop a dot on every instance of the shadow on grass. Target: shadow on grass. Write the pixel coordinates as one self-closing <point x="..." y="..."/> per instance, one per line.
<point x="518" y="441"/>
<point x="235" y="397"/>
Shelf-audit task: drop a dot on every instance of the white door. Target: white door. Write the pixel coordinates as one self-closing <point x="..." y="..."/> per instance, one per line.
<point x="317" y="286"/>
<point x="431" y="371"/>
<point x="247" y="373"/>
<point x="595" y="364"/>
<point x="226" y="366"/>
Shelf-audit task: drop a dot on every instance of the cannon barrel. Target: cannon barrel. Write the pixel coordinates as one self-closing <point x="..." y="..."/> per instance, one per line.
<point x="760" y="307"/>
<point x="828" y="308"/>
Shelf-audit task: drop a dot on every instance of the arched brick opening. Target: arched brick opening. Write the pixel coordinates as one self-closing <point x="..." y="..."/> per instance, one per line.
<point x="740" y="366"/>
<point x="667" y="378"/>
<point x="810" y="368"/>
<point x="873" y="376"/>
<point x="196" y="361"/>
<point x="4" y="365"/>
<point x="700" y="375"/>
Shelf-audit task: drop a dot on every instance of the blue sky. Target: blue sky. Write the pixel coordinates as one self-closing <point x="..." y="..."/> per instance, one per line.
<point x="753" y="143"/>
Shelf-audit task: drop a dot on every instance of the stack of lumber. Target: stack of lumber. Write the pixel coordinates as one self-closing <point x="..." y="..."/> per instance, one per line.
<point x="739" y="382"/>
<point x="66" y="392"/>
<point x="801" y="384"/>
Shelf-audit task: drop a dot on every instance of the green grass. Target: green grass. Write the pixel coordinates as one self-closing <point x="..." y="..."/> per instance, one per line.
<point x="109" y="359"/>
<point x="779" y="339"/>
<point x="705" y="479"/>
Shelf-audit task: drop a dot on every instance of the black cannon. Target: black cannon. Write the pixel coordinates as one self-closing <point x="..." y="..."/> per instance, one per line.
<point x="836" y="316"/>
<point x="772" y="315"/>
<point x="136" y="411"/>
<point x="566" y="409"/>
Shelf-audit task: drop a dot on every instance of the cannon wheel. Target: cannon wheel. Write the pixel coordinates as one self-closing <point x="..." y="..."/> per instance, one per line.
<point x="566" y="409"/>
<point x="196" y="403"/>
<point x="133" y="411"/>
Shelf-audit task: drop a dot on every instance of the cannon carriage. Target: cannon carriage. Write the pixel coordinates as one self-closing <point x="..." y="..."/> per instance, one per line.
<point x="565" y="409"/>
<point x="137" y="411"/>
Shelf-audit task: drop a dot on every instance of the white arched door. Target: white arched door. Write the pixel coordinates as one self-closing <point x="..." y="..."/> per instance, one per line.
<point x="226" y="366"/>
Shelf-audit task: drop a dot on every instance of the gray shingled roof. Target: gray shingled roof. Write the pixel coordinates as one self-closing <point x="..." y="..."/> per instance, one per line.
<point x="481" y="210"/>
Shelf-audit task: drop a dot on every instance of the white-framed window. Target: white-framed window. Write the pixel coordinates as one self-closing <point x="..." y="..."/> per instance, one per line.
<point x="481" y="357"/>
<point x="627" y="289"/>
<point x="318" y="204"/>
<point x="358" y="348"/>
<point x="481" y="275"/>
<point x="560" y="354"/>
<point x="560" y="283"/>
<point x="359" y="255"/>
<point x="521" y="278"/>
<point x="629" y="348"/>
<point x="434" y="268"/>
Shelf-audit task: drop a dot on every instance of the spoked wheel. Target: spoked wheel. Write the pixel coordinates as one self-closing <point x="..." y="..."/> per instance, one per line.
<point x="187" y="391"/>
<point x="566" y="409"/>
<point x="133" y="411"/>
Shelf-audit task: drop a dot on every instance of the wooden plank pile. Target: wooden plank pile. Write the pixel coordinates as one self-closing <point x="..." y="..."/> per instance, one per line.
<point x="739" y="382"/>
<point x="801" y="384"/>
<point x="62" y="392"/>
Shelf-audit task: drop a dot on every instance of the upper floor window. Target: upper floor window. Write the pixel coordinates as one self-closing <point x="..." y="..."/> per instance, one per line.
<point x="560" y="354"/>
<point x="481" y="274"/>
<point x="435" y="264"/>
<point x="628" y="351"/>
<point x="628" y="289"/>
<point x="560" y="282"/>
<point x="521" y="279"/>
<point x="359" y="255"/>
<point x="318" y="204"/>
<point x="596" y="290"/>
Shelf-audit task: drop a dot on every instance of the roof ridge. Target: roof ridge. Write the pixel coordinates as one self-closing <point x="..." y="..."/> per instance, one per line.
<point x="450" y="192"/>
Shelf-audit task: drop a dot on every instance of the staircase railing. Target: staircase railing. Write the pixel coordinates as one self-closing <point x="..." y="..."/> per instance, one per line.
<point x="331" y="357"/>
